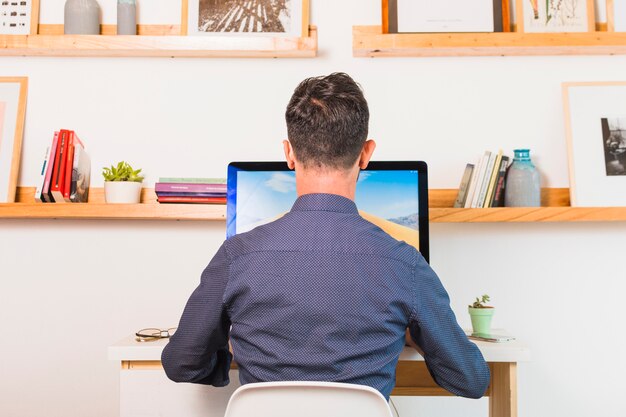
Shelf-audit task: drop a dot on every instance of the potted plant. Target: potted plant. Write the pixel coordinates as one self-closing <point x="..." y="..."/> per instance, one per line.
<point x="481" y="315"/>
<point x="122" y="184"/>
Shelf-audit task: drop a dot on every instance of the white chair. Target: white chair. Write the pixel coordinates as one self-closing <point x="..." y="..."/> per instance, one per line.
<point x="306" y="399"/>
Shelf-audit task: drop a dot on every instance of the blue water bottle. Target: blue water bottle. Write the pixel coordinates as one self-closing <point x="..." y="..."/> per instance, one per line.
<point x="522" y="187"/>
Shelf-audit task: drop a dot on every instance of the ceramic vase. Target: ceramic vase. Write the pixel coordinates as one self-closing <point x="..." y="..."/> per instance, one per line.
<point x="122" y="192"/>
<point x="126" y="17"/>
<point x="82" y="17"/>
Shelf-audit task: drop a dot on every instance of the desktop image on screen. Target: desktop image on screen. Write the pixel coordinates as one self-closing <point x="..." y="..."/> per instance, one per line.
<point x="388" y="194"/>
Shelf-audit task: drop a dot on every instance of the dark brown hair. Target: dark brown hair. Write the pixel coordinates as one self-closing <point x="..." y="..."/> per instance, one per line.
<point x="327" y="121"/>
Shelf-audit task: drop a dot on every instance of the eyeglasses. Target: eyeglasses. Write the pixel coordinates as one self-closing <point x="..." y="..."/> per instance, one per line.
<point x="152" y="334"/>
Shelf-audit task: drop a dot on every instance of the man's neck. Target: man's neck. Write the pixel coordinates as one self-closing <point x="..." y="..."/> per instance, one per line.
<point x="341" y="183"/>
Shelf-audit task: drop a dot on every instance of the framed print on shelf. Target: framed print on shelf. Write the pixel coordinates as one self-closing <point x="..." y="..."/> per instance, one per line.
<point x="278" y="18"/>
<point x="616" y="15"/>
<point x="19" y="17"/>
<point x="595" y="122"/>
<point x="555" y="16"/>
<point x="13" y="92"/>
<point x="445" y="16"/>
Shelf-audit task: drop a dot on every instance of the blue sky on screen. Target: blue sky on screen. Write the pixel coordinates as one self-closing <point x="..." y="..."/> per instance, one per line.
<point x="261" y="196"/>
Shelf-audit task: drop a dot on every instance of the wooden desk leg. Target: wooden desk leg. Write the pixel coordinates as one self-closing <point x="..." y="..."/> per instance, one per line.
<point x="503" y="397"/>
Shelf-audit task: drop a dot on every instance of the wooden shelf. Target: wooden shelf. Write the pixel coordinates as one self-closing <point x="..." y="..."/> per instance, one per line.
<point x="369" y="41"/>
<point x="149" y="209"/>
<point x="555" y="208"/>
<point x="160" y="46"/>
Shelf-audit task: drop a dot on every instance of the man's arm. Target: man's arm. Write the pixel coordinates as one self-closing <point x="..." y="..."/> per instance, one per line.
<point x="454" y="362"/>
<point x="198" y="351"/>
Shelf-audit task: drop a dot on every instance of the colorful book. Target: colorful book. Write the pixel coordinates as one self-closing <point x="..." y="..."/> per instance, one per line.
<point x="464" y="186"/>
<point x="486" y="179"/>
<point x="42" y="175"/>
<point x="197" y="200"/>
<point x="73" y="143"/>
<point x="498" y="194"/>
<point x="492" y="181"/>
<point x="193" y="180"/>
<point x="473" y="181"/>
<point x="58" y="176"/>
<point x="81" y="176"/>
<point x="183" y="194"/>
<point x="46" y="196"/>
<point x="190" y="188"/>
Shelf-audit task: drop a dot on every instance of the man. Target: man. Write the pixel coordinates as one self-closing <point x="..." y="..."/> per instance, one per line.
<point x="322" y="294"/>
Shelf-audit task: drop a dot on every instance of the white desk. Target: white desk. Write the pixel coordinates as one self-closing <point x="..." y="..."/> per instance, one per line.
<point x="145" y="391"/>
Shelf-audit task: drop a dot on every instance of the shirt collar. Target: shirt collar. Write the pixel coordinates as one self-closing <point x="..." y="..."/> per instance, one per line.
<point x="324" y="202"/>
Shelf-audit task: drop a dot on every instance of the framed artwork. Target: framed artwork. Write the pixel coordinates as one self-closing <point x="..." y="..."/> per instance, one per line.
<point x="595" y="121"/>
<point x="555" y="16"/>
<point x="13" y="92"/>
<point x="288" y="18"/>
<point x="445" y="16"/>
<point x="616" y="15"/>
<point x="19" y="17"/>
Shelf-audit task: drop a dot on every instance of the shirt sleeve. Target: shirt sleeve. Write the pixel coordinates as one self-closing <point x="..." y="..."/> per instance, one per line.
<point x="455" y="363"/>
<point x="198" y="351"/>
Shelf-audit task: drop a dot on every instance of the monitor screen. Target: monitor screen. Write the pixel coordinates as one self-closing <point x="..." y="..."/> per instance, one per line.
<point x="392" y="195"/>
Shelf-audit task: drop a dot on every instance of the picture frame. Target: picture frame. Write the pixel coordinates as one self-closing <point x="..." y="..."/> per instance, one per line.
<point x="555" y="16"/>
<point x="595" y="123"/>
<point x="19" y="17"/>
<point x="289" y="18"/>
<point x="616" y="15"/>
<point x="13" y="93"/>
<point x="426" y="16"/>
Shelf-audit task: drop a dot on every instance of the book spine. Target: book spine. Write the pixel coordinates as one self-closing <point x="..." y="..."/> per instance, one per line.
<point x="184" y="194"/>
<point x="464" y="186"/>
<point x="204" y="200"/>
<point x="492" y="179"/>
<point x="498" y="194"/>
<point x="59" y="168"/>
<point x="42" y="176"/>
<point x="487" y="178"/>
<point x="193" y="180"/>
<point x="190" y="188"/>
<point x="69" y="163"/>
<point x="45" y="192"/>
<point x="473" y="181"/>
<point x="481" y="177"/>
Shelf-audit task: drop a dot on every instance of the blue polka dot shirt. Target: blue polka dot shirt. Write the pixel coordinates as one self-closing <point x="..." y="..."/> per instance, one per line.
<point x="321" y="295"/>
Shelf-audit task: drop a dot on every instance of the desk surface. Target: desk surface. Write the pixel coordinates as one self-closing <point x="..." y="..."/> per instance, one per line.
<point x="128" y="349"/>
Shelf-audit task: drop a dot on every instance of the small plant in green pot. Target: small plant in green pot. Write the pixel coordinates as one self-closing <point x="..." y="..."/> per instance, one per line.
<point x="481" y="315"/>
<point x="122" y="184"/>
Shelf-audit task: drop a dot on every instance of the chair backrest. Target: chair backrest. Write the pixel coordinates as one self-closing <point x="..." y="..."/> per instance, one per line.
<point x="306" y="399"/>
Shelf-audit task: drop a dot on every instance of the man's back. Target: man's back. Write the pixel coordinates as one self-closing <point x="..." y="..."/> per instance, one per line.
<point x="322" y="294"/>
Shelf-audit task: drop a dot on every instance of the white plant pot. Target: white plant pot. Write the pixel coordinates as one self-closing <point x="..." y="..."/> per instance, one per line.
<point x="122" y="192"/>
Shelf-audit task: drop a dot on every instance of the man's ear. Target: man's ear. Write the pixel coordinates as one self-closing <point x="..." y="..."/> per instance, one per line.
<point x="289" y="156"/>
<point x="366" y="153"/>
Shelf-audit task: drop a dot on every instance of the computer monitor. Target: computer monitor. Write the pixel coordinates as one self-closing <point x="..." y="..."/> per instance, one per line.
<point x="392" y="195"/>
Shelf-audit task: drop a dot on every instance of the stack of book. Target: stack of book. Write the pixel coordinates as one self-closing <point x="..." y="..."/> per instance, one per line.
<point x="191" y="190"/>
<point x="483" y="183"/>
<point x="65" y="172"/>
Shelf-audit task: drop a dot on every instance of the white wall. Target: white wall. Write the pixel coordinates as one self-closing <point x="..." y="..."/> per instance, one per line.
<point x="68" y="289"/>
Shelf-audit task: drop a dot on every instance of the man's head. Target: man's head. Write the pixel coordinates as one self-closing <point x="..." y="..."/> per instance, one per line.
<point x="327" y="123"/>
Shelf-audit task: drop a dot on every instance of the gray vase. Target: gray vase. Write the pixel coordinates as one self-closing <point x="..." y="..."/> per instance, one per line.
<point x="82" y="17"/>
<point x="126" y="17"/>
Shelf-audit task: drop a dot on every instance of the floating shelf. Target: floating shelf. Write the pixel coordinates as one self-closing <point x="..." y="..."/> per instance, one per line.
<point x="369" y="41"/>
<point x="149" y="209"/>
<point x="555" y="208"/>
<point x="160" y="46"/>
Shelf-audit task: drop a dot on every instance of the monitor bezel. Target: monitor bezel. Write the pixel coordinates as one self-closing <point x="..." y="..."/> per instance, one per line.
<point x="422" y="179"/>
